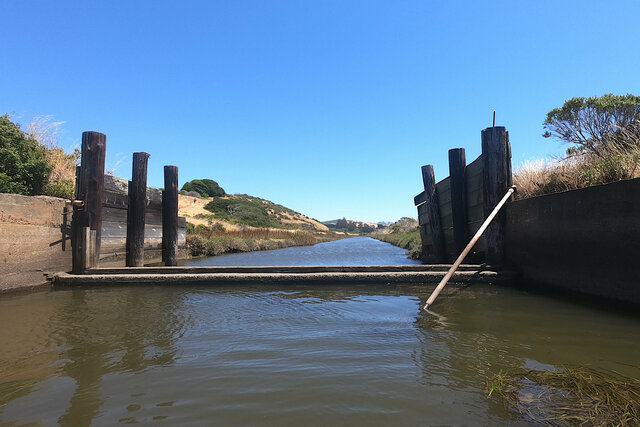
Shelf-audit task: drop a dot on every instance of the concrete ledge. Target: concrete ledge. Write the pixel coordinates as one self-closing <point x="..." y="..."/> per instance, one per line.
<point x="353" y="277"/>
<point x="287" y="269"/>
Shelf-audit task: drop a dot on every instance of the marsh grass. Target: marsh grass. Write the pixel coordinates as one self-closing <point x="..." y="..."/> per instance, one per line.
<point x="569" y="396"/>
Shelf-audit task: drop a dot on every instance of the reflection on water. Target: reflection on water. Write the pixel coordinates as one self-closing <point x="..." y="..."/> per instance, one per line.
<point x="288" y="356"/>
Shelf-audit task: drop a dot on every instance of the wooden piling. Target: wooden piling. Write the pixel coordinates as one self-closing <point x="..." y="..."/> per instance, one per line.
<point x="457" y="168"/>
<point x="136" y="211"/>
<point x="89" y="190"/>
<point x="433" y="212"/>
<point x="496" y="180"/>
<point x="170" y="216"/>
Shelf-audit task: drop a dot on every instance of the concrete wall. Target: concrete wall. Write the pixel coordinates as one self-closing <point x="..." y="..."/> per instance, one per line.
<point x="31" y="235"/>
<point x="584" y="240"/>
<point x="30" y="240"/>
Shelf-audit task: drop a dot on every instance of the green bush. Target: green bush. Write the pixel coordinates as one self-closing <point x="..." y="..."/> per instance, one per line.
<point x="24" y="168"/>
<point x="206" y="187"/>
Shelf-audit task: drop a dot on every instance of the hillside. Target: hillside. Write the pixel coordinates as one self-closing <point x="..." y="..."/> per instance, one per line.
<point x="234" y="212"/>
<point x="352" y="226"/>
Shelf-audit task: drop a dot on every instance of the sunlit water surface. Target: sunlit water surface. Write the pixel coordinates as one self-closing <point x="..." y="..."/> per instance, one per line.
<point x="295" y="355"/>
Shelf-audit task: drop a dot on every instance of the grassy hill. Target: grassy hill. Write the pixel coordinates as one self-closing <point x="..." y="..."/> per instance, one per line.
<point x="238" y="211"/>
<point x="242" y="223"/>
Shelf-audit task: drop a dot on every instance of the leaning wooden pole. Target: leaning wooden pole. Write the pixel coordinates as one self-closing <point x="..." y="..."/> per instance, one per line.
<point x="136" y="210"/>
<point x="466" y="250"/>
<point x="170" y="216"/>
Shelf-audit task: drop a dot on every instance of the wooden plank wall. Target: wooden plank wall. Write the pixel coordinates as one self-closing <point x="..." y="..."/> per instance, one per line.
<point x="475" y="213"/>
<point x="114" y="222"/>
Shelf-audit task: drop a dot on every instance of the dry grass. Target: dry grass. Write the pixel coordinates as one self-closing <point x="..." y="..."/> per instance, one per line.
<point x="578" y="171"/>
<point x="63" y="174"/>
<point x="570" y="396"/>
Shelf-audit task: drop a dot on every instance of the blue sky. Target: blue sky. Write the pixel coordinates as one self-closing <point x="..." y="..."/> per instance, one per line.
<point x="327" y="107"/>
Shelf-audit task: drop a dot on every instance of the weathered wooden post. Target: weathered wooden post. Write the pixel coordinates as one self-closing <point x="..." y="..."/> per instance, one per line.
<point x="457" y="168"/>
<point x="170" y="216"/>
<point x="136" y="210"/>
<point x="433" y="211"/>
<point x="89" y="190"/>
<point x="496" y="158"/>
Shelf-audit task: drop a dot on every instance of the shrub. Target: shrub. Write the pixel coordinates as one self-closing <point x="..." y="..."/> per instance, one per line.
<point x="24" y="168"/>
<point x="205" y="187"/>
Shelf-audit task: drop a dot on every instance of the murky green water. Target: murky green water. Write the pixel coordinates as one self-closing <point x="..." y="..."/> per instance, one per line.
<point x="306" y="355"/>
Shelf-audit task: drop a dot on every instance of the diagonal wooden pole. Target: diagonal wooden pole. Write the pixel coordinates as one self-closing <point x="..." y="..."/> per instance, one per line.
<point x="466" y="250"/>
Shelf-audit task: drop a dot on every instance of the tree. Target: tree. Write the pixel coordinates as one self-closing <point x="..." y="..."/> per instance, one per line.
<point x="596" y="124"/>
<point x="206" y="187"/>
<point x="24" y="168"/>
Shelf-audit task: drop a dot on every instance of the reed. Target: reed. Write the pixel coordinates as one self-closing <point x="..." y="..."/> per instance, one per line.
<point x="575" y="396"/>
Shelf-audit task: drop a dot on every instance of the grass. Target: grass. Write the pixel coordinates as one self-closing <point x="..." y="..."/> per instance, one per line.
<point x="409" y="240"/>
<point x="212" y="241"/>
<point x="578" y="171"/>
<point x="575" y="396"/>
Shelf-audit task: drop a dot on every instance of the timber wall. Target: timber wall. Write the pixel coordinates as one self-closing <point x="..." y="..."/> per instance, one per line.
<point x="34" y="239"/>
<point x="114" y="223"/>
<point x="585" y="240"/>
<point x="475" y="215"/>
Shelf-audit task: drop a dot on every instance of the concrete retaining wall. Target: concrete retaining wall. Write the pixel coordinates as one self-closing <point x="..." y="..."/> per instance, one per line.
<point x="30" y="240"/>
<point x="31" y="235"/>
<point x="585" y="240"/>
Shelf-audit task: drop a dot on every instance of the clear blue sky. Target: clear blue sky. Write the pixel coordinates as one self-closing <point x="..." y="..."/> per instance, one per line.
<point x="328" y="107"/>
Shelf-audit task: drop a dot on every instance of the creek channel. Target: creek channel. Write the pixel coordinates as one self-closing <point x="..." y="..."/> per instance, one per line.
<point x="294" y="355"/>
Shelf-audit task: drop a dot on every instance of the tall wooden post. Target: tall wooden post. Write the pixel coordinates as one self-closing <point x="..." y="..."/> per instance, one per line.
<point x="457" y="168"/>
<point x="89" y="190"/>
<point x="170" y="216"/>
<point x="136" y="210"/>
<point x="496" y="158"/>
<point x="433" y="212"/>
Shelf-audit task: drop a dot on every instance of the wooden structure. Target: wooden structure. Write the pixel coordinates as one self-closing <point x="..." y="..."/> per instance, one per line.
<point x="115" y="219"/>
<point x="453" y="209"/>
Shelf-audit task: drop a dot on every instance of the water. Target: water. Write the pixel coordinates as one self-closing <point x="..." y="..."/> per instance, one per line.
<point x="295" y="355"/>
<point x="352" y="251"/>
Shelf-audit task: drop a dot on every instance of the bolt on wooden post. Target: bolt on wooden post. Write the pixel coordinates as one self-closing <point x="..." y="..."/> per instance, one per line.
<point x="136" y="211"/>
<point x="89" y="189"/>
<point x="496" y="158"/>
<point x="170" y="216"/>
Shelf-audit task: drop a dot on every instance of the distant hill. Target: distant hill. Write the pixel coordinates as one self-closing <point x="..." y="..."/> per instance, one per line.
<point x="236" y="211"/>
